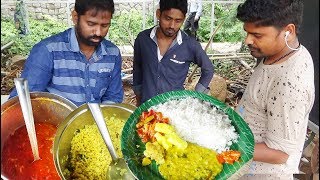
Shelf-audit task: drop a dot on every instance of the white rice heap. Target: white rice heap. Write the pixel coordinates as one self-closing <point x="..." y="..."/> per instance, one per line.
<point x="198" y="122"/>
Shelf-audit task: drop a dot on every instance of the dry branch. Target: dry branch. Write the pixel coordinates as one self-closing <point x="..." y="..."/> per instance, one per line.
<point x="237" y="57"/>
<point x="205" y="49"/>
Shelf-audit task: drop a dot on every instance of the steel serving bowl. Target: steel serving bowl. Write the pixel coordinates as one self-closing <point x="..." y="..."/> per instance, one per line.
<point x="46" y="107"/>
<point x="77" y="120"/>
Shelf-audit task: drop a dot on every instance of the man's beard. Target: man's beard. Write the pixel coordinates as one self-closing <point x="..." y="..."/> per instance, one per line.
<point x="169" y="32"/>
<point x="255" y="52"/>
<point x="87" y="40"/>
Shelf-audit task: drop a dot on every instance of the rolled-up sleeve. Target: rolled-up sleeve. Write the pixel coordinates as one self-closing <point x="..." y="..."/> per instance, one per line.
<point x="199" y="8"/>
<point x="287" y="123"/>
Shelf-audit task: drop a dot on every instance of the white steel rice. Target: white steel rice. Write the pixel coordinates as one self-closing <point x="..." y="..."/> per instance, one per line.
<point x="199" y="122"/>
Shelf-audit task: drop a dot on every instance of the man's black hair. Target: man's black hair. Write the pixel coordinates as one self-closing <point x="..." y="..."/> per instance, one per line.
<point x="182" y="5"/>
<point x="82" y="6"/>
<point x="277" y="13"/>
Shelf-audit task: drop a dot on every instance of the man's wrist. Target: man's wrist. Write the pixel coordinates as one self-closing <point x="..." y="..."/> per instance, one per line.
<point x="200" y="88"/>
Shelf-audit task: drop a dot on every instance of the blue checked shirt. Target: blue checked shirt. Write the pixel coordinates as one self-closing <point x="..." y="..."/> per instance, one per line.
<point x="57" y="65"/>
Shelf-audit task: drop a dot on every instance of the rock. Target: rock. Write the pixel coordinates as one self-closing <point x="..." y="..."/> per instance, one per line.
<point x="218" y="88"/>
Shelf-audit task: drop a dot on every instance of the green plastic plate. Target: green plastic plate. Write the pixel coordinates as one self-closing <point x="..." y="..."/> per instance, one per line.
<point x="132" y="146"/>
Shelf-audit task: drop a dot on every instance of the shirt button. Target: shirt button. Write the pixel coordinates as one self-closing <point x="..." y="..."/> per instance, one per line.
<point x="158" y="76"/>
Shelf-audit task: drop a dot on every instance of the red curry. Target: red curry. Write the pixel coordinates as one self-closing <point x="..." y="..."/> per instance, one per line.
<point x="17" y="158"/>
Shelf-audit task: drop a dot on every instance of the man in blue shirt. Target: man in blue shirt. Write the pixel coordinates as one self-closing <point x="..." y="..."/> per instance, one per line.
<point x="162" y="55"/>
<point x="79" y="64"/>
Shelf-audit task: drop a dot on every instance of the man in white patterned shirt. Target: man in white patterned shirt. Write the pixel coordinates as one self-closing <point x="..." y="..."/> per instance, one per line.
<point x="280" y="93"/>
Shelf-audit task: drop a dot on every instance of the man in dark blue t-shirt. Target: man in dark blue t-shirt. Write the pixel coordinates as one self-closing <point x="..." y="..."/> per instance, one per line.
<point x="162" y="55"/>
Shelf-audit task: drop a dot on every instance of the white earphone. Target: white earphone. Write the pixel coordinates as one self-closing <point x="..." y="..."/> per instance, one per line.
<point x="287" y="33"/>
<point x="286" y="40"/>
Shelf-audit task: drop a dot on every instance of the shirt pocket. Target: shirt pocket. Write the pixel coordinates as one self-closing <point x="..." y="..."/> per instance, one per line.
<point x="177" y="65"/>
<point x="102" y="83"/>
<point x="178" y="68"/>
<point x="177" y="62"/>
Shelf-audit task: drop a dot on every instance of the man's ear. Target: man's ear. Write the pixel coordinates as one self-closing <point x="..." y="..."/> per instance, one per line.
<point x="158" y="13"/>
<point x="290" y="32"/>
<point x="291" y="28"/>
<point x="75" y="17"/>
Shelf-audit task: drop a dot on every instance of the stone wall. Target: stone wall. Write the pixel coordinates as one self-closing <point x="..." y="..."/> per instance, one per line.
<point x="61" y="10"/>
<point x="40" y="10"/>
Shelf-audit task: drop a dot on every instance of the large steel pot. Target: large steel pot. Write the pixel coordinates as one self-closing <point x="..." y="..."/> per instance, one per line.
<point x="46" y="107"/>
<point x="77" y="120"/>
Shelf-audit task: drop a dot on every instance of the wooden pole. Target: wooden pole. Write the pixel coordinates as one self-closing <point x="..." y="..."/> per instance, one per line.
<point x="6" y="46"/>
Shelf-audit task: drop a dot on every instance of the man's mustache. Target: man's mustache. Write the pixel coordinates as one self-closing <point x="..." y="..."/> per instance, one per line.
<point x="95" y="37"/>
<point x="252" y="48"/>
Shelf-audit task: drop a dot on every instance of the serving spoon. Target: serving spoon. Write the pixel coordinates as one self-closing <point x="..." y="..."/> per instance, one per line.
<point x="118" y="168"/>
<point x="26" y="107"/>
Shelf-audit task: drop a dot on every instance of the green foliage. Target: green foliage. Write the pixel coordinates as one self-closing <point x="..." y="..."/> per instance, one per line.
<point x="226" y="69"/>
<point x="39" y="29"/>
<point x="203" y="32"/>
<point x="8" y="31"/>
<point x="125" y="27"/>
<point x="231" y="30"/>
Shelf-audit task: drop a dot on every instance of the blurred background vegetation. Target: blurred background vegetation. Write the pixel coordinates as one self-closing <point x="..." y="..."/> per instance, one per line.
<point x="124" y="29"/>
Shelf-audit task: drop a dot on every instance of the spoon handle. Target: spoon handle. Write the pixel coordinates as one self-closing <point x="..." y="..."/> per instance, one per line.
<point x="98" y="117"/>
<point x="26" y="107"/>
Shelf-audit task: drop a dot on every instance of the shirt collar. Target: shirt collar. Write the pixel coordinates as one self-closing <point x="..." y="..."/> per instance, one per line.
<point x="153" y="36"/>
<point x="74" y="45"/>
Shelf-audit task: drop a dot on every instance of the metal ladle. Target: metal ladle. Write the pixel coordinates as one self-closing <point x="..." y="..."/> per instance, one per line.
<point x="26" y="107"/>
<point x="118" y="168"/>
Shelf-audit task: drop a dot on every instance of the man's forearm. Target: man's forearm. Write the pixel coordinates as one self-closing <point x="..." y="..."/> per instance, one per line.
<point x="265" y="154"/>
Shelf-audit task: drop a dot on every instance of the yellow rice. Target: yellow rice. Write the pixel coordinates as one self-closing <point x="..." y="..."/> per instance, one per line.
<point x="90" y="157"/>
